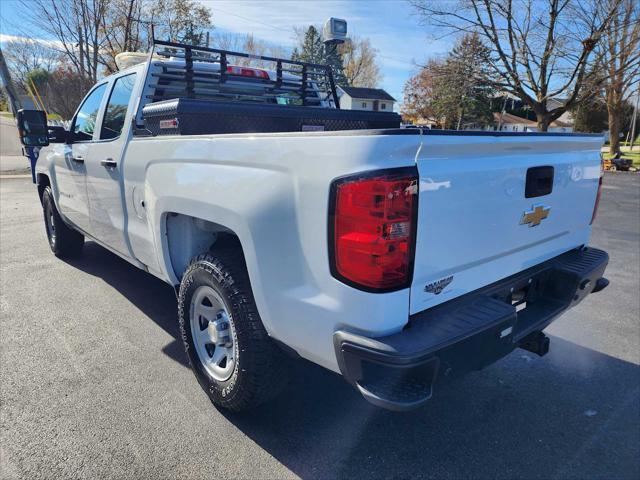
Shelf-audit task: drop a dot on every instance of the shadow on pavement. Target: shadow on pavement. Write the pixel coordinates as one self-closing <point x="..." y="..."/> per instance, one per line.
<point x="153" y="297"/>
<point x="572" y="414"/>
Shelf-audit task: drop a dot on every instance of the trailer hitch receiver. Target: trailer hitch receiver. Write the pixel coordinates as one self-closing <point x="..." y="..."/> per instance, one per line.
<point x="537" y="343"/>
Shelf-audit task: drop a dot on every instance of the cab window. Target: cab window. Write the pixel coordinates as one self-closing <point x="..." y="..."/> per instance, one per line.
<point x="85" y="122"/>
<point x="117" y="107"/>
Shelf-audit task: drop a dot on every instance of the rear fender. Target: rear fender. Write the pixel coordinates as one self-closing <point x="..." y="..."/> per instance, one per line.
<point x="256" y="205"/>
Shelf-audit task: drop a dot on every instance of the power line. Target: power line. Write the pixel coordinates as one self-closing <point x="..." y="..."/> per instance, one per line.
<point x="248" y="19"/>
<point x="413" y="64"/>
<point x="251" y="20"/>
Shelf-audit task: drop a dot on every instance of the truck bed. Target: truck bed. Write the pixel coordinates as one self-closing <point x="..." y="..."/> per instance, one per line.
<point x="184" y="116"/>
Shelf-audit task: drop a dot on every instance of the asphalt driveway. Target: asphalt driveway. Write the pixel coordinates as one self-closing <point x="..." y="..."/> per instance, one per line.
<point x="93" y="382"/>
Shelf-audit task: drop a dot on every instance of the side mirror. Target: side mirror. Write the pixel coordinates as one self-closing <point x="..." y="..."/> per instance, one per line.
<point x="57" y="134"/>
<point x="32" y="127"/>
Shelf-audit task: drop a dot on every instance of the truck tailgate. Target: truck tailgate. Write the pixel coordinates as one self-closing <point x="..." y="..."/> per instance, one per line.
<point x="475" y="222"/>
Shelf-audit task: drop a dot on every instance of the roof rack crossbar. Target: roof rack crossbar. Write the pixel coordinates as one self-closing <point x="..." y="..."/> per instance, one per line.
<point x="217" y="93"/>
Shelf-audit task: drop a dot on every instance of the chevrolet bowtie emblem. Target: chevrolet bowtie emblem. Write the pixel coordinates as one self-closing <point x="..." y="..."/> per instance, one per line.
<point x="535" y="216"/>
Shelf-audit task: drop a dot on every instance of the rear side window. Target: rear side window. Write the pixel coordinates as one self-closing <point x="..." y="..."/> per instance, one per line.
<point x="117" y="107"/>
<point x="85" y="123"/>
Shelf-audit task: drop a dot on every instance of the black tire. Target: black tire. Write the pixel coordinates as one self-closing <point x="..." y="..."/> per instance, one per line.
<point x="260" y="370"/>
<point x="64" y="241"/>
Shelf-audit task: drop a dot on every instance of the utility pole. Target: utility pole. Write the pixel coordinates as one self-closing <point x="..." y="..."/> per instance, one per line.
<point x="634" y="122"/>
<point x="16" y="104"/>
<point x="5" y="76"/>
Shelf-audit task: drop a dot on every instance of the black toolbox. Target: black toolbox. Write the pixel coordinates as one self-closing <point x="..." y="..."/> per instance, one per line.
<point x="185" y="116"/>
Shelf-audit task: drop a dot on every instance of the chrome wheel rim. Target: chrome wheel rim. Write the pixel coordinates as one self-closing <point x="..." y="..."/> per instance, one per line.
<point x="213" y="333"/>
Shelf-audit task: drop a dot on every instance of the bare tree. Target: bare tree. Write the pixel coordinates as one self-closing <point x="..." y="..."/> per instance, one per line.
<point x="179" y="20"/>
<point x="620" y="61"/>
<point x="540" y="49"/>
<point x="64" y="90"/>
<point x="78" y="27"/>
<point x="360" y="65"/>
<point x="90" y="33"/>
<point x="25" y="54"/>
<point x="247" y="43"/>
<point x="418" y="92"/>
<point x="226" y="41"/>
<point x="125" y="31"/>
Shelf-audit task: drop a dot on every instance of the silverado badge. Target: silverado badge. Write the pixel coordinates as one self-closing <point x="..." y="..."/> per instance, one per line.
<point x="437" y="286"/>
<point x="535" y="216"/>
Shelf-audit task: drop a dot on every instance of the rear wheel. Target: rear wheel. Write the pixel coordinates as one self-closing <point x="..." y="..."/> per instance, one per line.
<point x="235" y="361"/>
<point x="63" y="240"/>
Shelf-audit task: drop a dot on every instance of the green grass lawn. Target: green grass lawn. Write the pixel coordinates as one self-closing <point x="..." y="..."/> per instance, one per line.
<point x="635" y="157"/>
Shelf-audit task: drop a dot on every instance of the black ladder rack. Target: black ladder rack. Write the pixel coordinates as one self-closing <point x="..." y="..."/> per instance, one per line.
<point x="188" y="78"/>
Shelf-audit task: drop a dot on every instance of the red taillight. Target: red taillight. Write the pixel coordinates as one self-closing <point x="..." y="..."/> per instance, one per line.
<point x="597" y="203"/>
<point x="247" y="72"/>
<point x="372" y="227"/>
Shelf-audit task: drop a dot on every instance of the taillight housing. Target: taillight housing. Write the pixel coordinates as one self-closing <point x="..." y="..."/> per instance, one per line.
<point x="372" y="229"/>
<point x="247" y="72"/>
<point x="597" y="202"/>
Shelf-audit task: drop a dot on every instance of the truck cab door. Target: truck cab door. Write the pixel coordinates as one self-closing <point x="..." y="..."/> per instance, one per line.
<point x="70" y="161"/>
<point x="105" y="187"/>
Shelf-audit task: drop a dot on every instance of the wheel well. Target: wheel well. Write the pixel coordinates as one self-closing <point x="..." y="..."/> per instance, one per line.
<point x="189" y="236"/>
<point x="43" y="181"/>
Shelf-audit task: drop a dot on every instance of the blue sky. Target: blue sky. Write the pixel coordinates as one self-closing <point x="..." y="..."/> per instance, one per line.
<point x="393" y="30"/>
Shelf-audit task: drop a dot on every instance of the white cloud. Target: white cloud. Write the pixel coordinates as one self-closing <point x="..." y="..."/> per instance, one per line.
<point x="17" y="38"/>
<point x="400" y="41"/>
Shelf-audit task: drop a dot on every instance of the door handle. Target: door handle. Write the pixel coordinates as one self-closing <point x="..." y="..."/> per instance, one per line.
<point x="109" y="163"/>
<point x="78" y="158"/>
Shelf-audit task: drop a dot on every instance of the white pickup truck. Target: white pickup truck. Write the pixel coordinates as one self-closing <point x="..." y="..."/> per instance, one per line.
<point x="398" y="258"/>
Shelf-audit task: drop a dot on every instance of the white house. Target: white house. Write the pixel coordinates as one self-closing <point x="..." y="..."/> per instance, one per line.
<point x="565" y="121"/>
<point x="515" y="123"/>
<point x="373" y="99"/>
<point x="506" y="122"/>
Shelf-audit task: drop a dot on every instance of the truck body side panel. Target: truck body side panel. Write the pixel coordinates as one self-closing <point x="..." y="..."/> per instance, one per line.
<point x="272" y="192"/>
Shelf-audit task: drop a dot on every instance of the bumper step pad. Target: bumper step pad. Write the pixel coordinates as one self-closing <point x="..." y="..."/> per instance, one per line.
<point x="399" y="371"/>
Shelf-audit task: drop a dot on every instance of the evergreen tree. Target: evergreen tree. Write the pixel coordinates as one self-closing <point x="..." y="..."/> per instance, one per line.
<point x="333" y="58"/>
<point x="455" y="92"/>
<point x="313" y="50"/>
<point x="467" y="82"/>
<point x="192" y="35"/>
<point x="590" y="116"/>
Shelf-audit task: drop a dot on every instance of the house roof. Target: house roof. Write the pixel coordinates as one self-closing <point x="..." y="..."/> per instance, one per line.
<point x="510" y="119"/>
<point x="560" y="123"/>
<point x="367" y="93"/>
<point x="555" y="102"/>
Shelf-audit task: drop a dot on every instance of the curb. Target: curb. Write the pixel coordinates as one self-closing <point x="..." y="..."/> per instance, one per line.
<point x="7" y="176"/>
